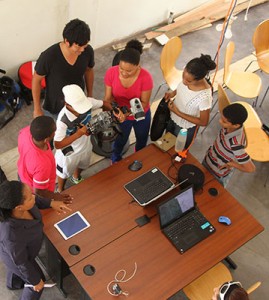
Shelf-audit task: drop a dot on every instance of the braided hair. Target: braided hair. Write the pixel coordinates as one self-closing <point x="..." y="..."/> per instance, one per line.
<point x="199" y="67"/>
<point x="11" y="195"/>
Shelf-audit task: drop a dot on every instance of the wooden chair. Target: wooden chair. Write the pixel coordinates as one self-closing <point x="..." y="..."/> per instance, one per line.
<point x="244" y="84"/>
<point x="260" y="40"/>
<point x="257" y="140"/>
<point x="223" y="101"/>
<point x="202" y="287"/>
<point x="169" y="56"/>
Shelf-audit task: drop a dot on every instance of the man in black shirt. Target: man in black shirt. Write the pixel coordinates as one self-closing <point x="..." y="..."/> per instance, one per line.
<point x="68" y="62"/>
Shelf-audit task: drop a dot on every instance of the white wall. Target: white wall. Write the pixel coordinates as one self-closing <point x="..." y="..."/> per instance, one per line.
<point x="30" y="26"/>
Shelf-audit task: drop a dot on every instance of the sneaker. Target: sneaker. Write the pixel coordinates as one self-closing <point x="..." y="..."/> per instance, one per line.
<point x="76" y="180"/>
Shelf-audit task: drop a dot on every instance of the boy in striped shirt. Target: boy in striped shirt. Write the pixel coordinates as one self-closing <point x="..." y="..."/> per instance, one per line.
<point x="228" y="150"/>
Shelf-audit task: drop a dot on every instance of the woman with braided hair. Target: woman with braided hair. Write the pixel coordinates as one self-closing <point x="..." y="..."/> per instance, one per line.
<point x="193" y="99"/>
<point x="21" y="234"/>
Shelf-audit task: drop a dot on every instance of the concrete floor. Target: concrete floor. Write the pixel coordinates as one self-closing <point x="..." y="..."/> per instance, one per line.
<point x="250" y="189"/>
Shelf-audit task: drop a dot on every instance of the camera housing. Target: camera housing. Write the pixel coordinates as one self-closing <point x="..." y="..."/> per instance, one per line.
<point x="137" y="109"/>
<point x="101" y="122"/>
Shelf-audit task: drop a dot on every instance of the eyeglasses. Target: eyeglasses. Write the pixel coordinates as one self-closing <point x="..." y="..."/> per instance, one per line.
<point x="225" y="287"/>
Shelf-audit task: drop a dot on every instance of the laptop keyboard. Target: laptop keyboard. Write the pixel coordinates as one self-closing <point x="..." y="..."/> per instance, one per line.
<point x="195" y="219"/>
<point x="152" y="190"/>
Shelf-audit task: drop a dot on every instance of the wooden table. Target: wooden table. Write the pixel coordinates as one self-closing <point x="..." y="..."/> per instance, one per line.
<point x="106" y="205"/>
<point x="161" y="269"/>
<point x="114" y="241"/>
<point x="108" y="208"/>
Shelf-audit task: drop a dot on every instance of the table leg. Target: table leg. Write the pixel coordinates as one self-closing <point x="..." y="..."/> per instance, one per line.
<point x="230" y="262"/>
<point x="56" y="266"/>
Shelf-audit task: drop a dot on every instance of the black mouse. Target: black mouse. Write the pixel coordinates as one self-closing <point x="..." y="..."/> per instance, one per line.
<point x="213" y="192"/>
<point x="136" y="165"/>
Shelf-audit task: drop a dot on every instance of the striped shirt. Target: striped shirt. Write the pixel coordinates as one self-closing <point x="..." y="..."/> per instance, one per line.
<point x="227" y="147"/>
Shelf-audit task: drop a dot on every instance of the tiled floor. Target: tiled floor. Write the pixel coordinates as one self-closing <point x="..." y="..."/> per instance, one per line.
<point x="250" y="189"/>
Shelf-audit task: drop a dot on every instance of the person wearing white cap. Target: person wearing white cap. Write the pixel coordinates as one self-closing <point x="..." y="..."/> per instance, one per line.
<point x="71" y="139"/>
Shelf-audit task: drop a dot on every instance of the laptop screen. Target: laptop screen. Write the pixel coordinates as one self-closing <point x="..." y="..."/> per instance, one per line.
<point x="172" y="209"/>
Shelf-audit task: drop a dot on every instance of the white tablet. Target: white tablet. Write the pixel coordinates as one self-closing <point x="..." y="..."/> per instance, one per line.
<point x="72" y="225"/>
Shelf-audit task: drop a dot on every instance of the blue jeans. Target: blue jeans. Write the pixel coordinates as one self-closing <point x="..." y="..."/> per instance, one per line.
<point x="173" y="128"/>
<point x="141" y="130"/>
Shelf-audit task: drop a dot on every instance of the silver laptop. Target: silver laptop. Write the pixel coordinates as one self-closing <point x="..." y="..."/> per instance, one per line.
<point x="149" y="186"/>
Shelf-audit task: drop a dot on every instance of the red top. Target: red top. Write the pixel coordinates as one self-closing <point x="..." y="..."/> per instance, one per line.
<point x="36" y="167"/>
<point x="123" y="95"/>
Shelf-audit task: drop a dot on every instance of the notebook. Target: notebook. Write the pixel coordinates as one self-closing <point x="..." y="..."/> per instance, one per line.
<point x="149" y="186"/>
<point x="181" y="221"/>
<point x="166" y="142"/>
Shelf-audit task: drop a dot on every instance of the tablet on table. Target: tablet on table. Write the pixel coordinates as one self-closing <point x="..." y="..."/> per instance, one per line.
<point x="72" y="225"/>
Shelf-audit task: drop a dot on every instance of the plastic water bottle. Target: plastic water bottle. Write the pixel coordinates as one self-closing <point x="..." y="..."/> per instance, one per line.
<point x="181" y="140"/>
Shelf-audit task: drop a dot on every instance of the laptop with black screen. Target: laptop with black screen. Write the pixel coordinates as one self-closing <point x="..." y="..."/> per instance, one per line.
<point x="181" y="221"/>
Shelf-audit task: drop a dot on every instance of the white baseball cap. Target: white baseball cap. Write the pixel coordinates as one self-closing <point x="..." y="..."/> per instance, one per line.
<point x="74" y="96"/>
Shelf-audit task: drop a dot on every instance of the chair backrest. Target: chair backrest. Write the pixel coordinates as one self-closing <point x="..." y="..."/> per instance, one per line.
<point x="202" y="287"/>
<point x="169" y="56"/>
<point x="228" y="59"/>
<point x="253" y="120"/>
<point x="260" y="40"/>
<point x="223" y="99"/>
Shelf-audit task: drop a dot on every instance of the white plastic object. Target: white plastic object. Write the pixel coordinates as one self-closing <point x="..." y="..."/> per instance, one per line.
<point x="181" y="140"/>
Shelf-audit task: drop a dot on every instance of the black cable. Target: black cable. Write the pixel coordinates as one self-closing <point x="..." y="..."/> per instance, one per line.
<point x="172" y="165"/>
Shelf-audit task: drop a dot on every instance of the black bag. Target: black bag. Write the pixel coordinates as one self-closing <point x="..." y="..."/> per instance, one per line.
<point x="160" y="120"/>
<point x="6" y="113"/>
<point x="10" y="99"/>
<point x="2" y="176"/>
<point x="189" y="174"/>
<point x="10" y="92"/>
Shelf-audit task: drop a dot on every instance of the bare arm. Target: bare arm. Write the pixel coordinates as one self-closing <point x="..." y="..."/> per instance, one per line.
<point x="36" y="92"/>
<point x="170" y="95"/>
<point x="202" y="120"/>
<point x="66" y="198"/>
<point x="89" y="77"/>
<point x="70" y="139"/>
<point x="145" y="97"/>
<point x="108" y="94"/>
<point x="248" y="167"/>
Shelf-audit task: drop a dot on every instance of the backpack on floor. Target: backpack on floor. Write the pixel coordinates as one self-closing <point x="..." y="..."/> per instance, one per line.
<point x="10" y="99"/>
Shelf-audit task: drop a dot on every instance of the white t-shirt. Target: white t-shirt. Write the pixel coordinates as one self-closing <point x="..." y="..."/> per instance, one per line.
<point x="191" y="103"/>
<point x="81" y="147"/>
<point x="79" y="144"/>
